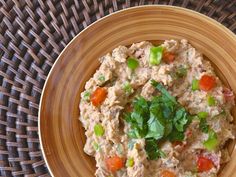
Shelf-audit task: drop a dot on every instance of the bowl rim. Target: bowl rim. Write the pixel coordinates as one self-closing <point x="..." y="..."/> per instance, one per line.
<point x="225" y="29"/>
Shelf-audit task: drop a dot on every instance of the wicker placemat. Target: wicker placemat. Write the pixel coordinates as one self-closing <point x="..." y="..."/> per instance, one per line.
<point x="32" y="35"/>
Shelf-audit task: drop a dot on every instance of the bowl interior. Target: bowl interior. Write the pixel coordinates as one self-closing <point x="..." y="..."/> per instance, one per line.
<point x="61" y="134"/>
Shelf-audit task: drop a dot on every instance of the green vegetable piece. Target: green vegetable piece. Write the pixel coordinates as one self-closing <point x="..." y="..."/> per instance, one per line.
<point x="168" y="128"/>
<point x="132" y="63"/>
<point x="96" y="146"/>
<point x="135" y="133"/>
<point x="202" y="115"/>
<point x="98" y="130"/>
<point x="86" y="96"/>
<point x="141" y="105"/>
<point x="195" y="117"/>
<point x="175" y="135"/>
<point x="204" y="127"/>
<point x="138" y="118"/>
<point x="181" y="71"/>
<point x="195" y="85"/>
<point x="152" y="149"/>
<point x="155" y="55"/>
<point x="162" y="89"/>
<point x="212" y="142"/>
<point x="128" y="88"/>
<point x="180" y="119"/>
<point x="211" y="101"/>
<point x="101" y="78"/>
<point x="130" y="162"/>
<point x="162" y="118"/>
<point x="162" y="154"/>
<point x="156" y="129"/>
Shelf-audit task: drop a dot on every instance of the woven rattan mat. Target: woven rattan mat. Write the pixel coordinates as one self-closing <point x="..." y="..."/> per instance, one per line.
<point x="32" y="35"/>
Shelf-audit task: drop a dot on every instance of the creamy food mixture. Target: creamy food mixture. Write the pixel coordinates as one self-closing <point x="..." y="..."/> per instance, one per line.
<point x="156" y="111"/>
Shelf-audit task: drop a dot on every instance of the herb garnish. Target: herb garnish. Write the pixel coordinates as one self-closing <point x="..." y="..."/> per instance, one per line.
<point x="162" y="118"/>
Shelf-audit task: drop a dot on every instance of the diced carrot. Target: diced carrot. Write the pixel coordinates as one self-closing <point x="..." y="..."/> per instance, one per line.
<point x="114" y="163"/>
<point x="98" y="96"/>
<point x="167" y="173"/>
<point x="204" y="164"/>
<point x="168" y="57"/>
<point x="207" y="82"/>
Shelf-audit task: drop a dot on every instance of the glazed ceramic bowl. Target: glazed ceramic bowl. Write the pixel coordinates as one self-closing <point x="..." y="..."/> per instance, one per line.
<point x="61" y="134"/>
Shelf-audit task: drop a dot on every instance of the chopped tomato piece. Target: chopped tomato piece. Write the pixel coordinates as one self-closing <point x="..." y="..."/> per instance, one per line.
<point x="207" y="82"/>
<point x="204" y="164"/>
<point x="228" y="94"/>
<point x="168" y="57"/>
<point x="167" y="173"/>
<point x="114" y="163"/>
<point x="98" y="96"/>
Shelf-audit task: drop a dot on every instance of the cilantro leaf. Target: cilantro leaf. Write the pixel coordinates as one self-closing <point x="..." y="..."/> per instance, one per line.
<point x="141" y="105"/>
<point x="156" y="129"/>
<point x="175" y="135"/>
<point x="156" y="122"/>
<point x="152" y="149"/>
<point x="134" y="133"/>
<point x="180" y="119"/>
<point x="136" y="116"/>
<point x="162" y="118"/>
<point x="162" y="89"/>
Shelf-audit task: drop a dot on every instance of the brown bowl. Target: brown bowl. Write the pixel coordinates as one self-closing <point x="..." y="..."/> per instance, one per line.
<point x="61" y="134"/>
